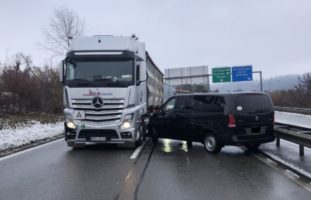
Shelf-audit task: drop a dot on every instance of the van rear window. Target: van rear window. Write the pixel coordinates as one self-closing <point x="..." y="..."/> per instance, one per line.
<point x="253" y="103"/>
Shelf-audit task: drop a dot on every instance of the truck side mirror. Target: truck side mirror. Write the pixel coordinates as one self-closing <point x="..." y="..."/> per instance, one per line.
<point x="139" y="82"/>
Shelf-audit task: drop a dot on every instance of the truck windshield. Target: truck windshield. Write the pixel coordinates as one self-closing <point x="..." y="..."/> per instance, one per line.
<point x="99" y="73"/>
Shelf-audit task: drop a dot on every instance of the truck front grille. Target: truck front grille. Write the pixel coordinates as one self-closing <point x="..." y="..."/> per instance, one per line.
<point x="109" y="112"/>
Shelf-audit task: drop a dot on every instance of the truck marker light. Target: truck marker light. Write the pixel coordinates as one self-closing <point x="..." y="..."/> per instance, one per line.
<point x="231" y="123"/>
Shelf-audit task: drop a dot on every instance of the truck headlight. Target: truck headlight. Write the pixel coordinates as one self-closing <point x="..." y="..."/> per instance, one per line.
<point x="71" y="125"/>
<point x="127" y="123"/>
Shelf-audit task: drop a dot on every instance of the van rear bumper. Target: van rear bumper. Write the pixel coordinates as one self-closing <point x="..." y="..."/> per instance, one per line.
<point x="264" y="138"/>
<point x="248" y="139"/>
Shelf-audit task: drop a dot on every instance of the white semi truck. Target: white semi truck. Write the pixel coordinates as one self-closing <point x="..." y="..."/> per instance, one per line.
<point x="109" y="83"/>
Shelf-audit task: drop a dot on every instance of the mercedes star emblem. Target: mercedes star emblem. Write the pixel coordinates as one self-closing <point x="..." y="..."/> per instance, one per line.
<point x="97" y="102"/>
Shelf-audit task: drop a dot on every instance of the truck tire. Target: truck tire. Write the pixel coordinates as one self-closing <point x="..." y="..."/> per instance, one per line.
<point x="154" y="137"/>
<point x="143" y="131"/>
<point x="211" y="144"/>
<point x="140" y="138"/>
<point x="189" y="144"/>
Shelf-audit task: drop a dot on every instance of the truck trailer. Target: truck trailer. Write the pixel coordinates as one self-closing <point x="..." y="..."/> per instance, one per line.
<point x="109" y="83"/>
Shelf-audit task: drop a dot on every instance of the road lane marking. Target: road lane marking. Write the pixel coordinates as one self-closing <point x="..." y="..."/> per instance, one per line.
<point x="137" y="151"/>
<point x="30" y="149"/>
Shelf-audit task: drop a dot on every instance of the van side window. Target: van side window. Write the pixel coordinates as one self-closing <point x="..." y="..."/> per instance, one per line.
<point x="184" y="103"/>
<point x="208" y="104"/>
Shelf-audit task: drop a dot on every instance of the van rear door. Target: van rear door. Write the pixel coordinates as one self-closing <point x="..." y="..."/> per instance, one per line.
<point x="253" y="112"/>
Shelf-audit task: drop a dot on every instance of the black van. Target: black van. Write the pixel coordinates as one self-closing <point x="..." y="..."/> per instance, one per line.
<point x="216" y="120"/>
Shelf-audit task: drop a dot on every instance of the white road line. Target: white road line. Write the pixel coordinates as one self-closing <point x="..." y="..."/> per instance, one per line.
<point x="137" y="151"/>
<point x="30" y="149"/>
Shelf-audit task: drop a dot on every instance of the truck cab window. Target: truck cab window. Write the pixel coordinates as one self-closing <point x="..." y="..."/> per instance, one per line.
<point x="169" y="105"/>
<point x="70" y="71"/>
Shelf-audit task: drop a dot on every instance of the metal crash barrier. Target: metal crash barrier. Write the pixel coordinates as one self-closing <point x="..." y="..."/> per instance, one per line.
<point x="298" y="135"/>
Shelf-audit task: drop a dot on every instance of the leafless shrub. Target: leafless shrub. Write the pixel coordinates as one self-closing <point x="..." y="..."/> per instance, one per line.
<point x="25" y="88"/>
<point x="299" y="96"/>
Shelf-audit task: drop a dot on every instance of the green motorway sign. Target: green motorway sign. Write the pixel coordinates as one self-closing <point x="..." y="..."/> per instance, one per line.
<point x="221" y="74"/>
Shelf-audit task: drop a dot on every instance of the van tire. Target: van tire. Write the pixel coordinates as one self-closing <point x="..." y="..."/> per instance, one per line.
<point x="252" y="147"/>
<point x="211" y="144"/>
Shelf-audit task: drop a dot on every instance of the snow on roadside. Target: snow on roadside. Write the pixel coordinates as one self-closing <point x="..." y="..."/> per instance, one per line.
<point x="25" y="134"/>
<point x="294" y="119"/>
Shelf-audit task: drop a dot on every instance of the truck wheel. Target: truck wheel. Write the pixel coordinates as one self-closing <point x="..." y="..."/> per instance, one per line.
<point x="143" y="131"/>
<point x="252" y="147"/>
<point x="189" y="144"/>
<point x="211" y="144"/>
<point x="154" y="137"/>
<point x="139" y="140"/>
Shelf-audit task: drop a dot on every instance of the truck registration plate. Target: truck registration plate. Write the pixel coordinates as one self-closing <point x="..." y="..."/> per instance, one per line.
<point x="98" y="139"/>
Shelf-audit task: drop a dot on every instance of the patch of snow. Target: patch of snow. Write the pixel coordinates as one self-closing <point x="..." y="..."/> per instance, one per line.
<point x="294" y="114"/>
<point x="294" y="119"/>
<point x="21" y="135"/>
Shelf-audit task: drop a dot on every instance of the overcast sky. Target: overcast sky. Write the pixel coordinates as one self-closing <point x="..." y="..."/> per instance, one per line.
<point x="272" y="35"/>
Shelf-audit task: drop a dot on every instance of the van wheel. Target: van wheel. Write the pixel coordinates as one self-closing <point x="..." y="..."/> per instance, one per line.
<point x="211" y="144"/>
<point x="154" y="137"/>
<point x="252" y="147"/>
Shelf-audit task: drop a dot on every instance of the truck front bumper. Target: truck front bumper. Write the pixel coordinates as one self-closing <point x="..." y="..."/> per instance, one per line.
<point x="87" y="133"/>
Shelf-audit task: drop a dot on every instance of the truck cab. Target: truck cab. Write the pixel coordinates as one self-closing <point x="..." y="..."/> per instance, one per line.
<point x="105" y="90"/>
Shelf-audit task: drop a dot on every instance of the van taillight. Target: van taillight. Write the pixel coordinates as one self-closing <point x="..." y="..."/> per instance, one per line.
<point x="231" y="123"/>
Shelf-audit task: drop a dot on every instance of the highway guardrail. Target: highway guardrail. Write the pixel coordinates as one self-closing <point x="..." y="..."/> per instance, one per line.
<point x="298" y="135"/>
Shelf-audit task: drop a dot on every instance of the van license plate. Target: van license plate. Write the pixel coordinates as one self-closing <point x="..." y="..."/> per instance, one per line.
<point x="98" y="139"/>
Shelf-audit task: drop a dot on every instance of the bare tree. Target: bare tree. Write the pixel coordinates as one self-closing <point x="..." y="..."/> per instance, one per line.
<point x="64" y="25"/>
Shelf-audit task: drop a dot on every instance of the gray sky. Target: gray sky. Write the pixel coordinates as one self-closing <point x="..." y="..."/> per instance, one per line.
<point x="272" y="35"/>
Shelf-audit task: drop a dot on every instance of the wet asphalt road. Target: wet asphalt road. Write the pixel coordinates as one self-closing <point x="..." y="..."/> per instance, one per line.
<point x="168" y="171"/>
